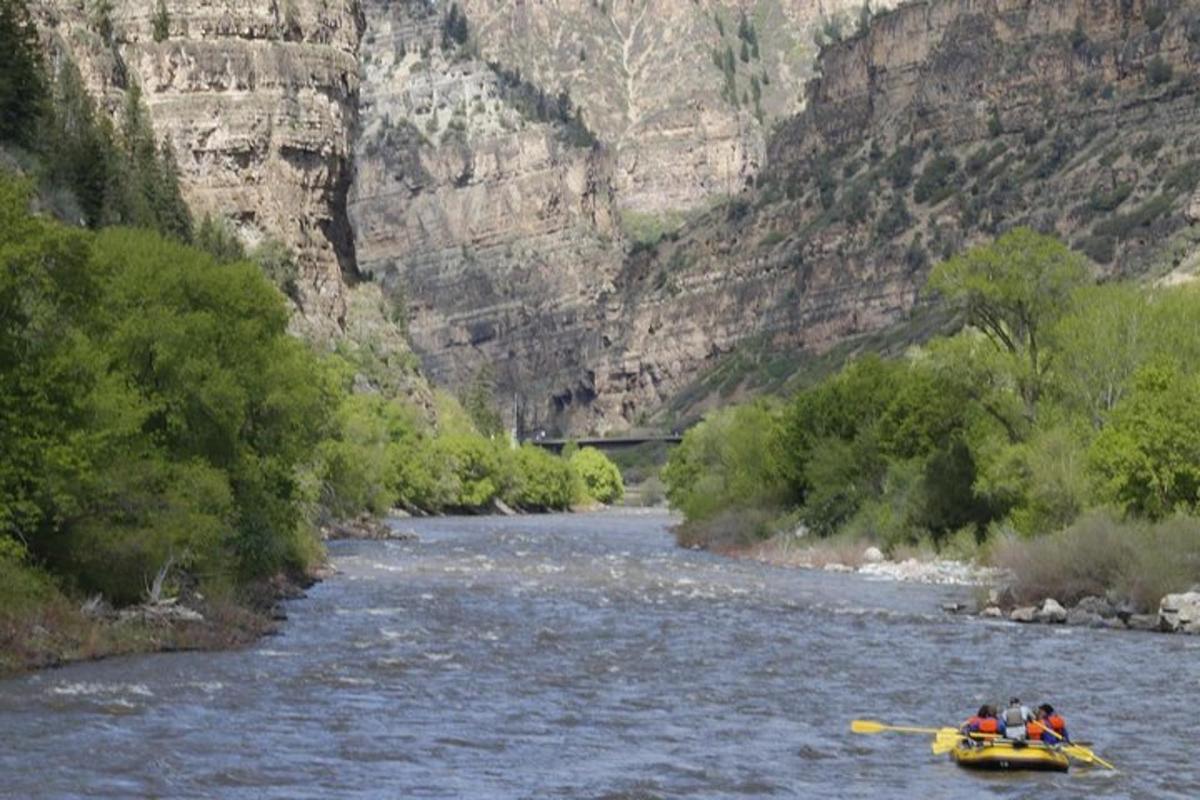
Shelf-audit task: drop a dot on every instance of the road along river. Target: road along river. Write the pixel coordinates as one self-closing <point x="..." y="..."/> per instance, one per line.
<point x="585" y="656"/>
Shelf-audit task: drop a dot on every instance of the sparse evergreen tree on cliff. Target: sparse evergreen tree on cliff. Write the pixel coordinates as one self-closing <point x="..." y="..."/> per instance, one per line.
<point x="454" y="28"/>
<point x="161" y="22"/>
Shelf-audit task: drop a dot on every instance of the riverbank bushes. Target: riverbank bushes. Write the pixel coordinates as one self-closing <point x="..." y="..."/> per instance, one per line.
<point x="163" y="434"/>
<point x="1058" y="405"/>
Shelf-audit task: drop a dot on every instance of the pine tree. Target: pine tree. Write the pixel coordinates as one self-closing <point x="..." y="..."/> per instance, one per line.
<point x="174" y="218"/>
<point x="22" y="84"/>
<point x="161" y="22"/>
<point x="83" y="155"/>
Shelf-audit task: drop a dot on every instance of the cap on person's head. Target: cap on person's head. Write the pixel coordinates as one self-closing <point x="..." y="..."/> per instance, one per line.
<point x="1049" y="709"/>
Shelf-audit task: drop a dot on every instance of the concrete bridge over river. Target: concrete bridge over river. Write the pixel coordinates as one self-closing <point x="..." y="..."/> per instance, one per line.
<point x="606" y="444"/>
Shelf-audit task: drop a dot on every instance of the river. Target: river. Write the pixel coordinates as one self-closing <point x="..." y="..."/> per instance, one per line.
<point x="584" y="656"/>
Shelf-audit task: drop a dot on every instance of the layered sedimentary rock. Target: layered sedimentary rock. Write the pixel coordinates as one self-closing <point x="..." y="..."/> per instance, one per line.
<point x="947" y="122"/>
<point x="497" y="175"/>
<point x="489" y="227"/>
<point x="258" y="99"/>
<point x="683" y="93"/>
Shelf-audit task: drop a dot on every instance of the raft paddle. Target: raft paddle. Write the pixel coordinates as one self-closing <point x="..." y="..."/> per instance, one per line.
<point x="871" y="726"/>
<point x="1078" y="751"/>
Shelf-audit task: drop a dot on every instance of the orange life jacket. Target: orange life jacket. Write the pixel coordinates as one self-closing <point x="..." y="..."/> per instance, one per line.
<point x="983" y="724"/>
<point x="1034" y="730"/>
<point x="1057" y="724"/>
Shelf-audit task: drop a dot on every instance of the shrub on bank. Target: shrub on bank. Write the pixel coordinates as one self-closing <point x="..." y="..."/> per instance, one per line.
<point x="1138" y="561"/>
<point x="728" y="530"/>
<point x="601" y="478"/>
<point x="540" y="481"/>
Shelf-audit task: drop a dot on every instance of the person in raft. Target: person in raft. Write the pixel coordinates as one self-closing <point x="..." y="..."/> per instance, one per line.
<point x="1045" y="721"/>
<point x="984" y="721"/>
<point x="1016" y="717"/>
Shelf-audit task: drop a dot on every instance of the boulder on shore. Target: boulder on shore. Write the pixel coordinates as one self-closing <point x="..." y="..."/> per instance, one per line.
<point x="1023" y="614"/>
<point x="872" y="555"/>
<point x="1052" y="612"/>
<point x="1084" y="618"/>
<point x="992" y="612"/>
<point x="1180" y="613"/>
<point x="1142" y="622"/>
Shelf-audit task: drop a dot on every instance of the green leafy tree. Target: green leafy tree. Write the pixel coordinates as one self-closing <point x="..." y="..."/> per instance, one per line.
<point x="601" y="477"/>
<point x="1110" y="332"/>
<point x="48" y="367"/>
<point x="540" y="480"/>
<point x="1147" y="458"/>
<point x="474" y="465"/>
<point x="1014" y="290"/>
<point x="727" y="461"/>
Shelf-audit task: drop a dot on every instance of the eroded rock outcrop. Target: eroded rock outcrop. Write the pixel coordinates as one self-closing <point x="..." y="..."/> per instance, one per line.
<point x="492" y="230"/>
<point x="257" y="98"/>
<point x="683" y="93"/>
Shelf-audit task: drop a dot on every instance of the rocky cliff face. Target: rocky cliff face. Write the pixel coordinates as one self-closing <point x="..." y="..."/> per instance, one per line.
<point x="949" y="121"/>
<point x="945" y="122"/>
<point x="501" y="175"/>
<point x="491" y="229"/>
<point x="682" y="93"/>
<point x="258" y="99"/>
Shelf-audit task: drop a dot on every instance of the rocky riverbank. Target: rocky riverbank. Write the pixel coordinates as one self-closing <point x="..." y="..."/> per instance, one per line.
<point x="1177" y="613"/>
<point x="870" y="563"/>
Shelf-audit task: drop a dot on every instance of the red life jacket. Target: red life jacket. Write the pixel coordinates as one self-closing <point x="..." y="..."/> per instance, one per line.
<point x="1057" y="724"/>
<point x="1034" y="731"/>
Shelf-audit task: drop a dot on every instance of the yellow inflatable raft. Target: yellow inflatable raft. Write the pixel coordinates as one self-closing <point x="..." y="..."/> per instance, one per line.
<point x="1005" y="754"/>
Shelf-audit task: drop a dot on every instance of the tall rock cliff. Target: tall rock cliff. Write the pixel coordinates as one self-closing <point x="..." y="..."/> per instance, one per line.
<point x="942" y="123"/>
<point x="258" y="99"/>
<point x="682" y="93"/>
<point x="507" y="163"/>
<point x="947" y="122"/>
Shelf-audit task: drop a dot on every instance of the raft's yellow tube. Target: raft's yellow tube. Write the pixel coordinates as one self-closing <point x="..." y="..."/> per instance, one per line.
<point x="1004" y="754"/>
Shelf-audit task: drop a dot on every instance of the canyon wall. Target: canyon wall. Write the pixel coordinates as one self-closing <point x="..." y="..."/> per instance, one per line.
<point x="258" y="99"/>
<point x="600" y="203"/>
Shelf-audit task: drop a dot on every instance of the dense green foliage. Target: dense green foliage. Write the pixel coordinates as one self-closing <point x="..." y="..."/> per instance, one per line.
<point x="153" y="409"/>
<point x="156" y="418"/>
<point x="601" y="478"/>
<point x="1057" y="397"/>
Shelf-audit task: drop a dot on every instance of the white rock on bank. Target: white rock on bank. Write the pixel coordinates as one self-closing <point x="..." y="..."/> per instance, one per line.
<point x="938" y="571"/>
<point x="872" y="555"/>
<point x="1024" y="614"/>
<point x="1180" y="612"/>
<point x="992" y="612"/>
<point x="1052" y="612"/>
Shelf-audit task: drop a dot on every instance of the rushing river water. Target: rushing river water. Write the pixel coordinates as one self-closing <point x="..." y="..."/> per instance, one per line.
<point x="587" y="657"/>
